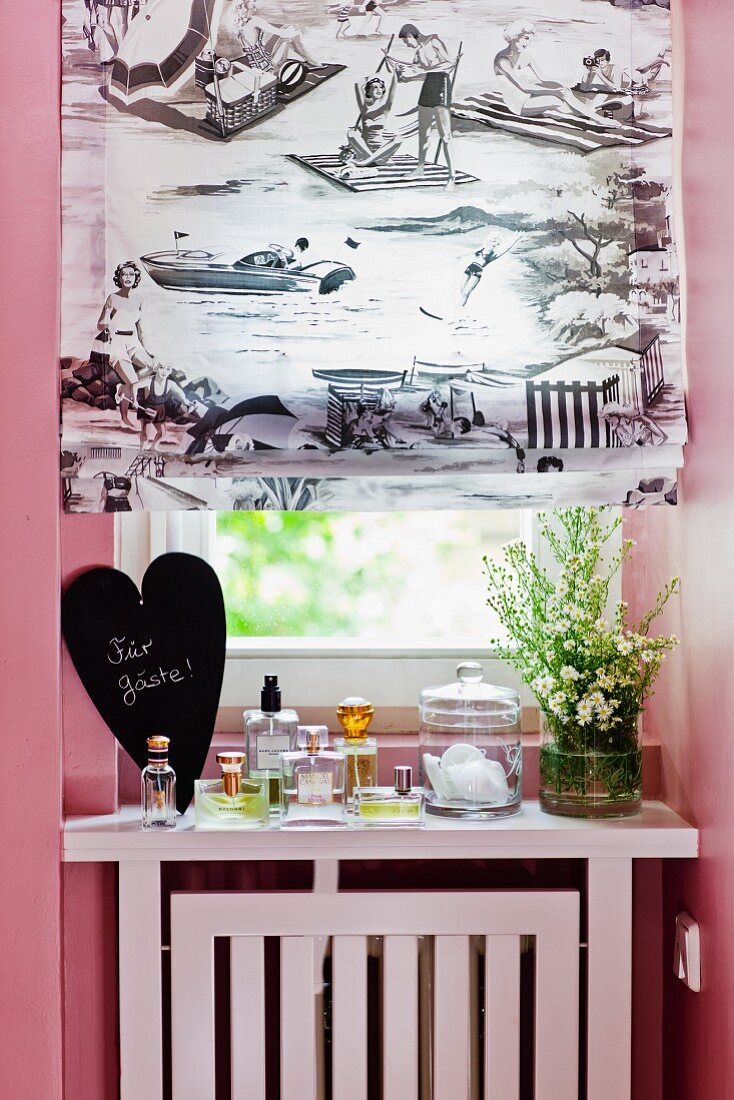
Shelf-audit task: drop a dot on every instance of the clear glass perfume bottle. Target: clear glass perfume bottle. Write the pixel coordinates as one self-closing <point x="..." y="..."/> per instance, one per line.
<point x="158" y="787"/>
<point x="312" y="786"/>
<point x="269" y="732"/>
<point x="231" y="802"/>
<point x="398" y="805"/>
<point x="355" y="715"/>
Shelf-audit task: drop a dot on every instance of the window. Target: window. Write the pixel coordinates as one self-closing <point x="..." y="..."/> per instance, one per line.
<point x="410" y="579"/>
<point x="297" y="576"/>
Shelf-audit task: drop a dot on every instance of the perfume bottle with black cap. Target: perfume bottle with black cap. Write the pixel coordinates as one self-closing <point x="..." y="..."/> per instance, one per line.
<point x="269" y="732"/>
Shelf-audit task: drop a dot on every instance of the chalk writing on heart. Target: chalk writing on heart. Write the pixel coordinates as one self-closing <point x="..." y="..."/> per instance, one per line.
<point x="120" y="651"/>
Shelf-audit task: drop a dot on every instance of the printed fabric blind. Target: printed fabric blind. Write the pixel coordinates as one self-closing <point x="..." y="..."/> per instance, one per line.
<point x="388" y="254"/>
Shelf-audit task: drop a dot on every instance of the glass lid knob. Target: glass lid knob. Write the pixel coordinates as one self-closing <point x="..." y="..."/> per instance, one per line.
<point x="469" y="672"/>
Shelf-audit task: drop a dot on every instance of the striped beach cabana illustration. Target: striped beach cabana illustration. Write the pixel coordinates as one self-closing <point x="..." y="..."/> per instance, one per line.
<point x="565" y="412"/>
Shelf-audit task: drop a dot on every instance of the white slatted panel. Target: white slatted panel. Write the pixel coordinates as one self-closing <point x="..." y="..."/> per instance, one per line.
<point x="552" y="917"/>
<point x="349" y="1017"/>
<point x="557" y="1013"/>
<point x="297" y="1019"/>
<point x="502" y="1018"/>
<point x="400" y="1018"/>
<point x="139" y="953"/>
<point x="247" y="1017"/>
<point x="192" y="1014"/>
<point x="452" y="1009"/>
<point x="610" y="979"/>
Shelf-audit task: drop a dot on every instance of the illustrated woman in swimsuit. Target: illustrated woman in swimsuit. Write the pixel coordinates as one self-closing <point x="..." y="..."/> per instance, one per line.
<point x="523" y="87"/>
<point x="160" y="391"/>
<point x="121" y="320"/>
<point x="265" y="46"/>
<point x="368" y="143"/>
<point x="432" y="66"/>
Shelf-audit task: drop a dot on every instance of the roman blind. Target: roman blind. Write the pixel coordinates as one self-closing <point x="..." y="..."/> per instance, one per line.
<point x="379" y="255"/>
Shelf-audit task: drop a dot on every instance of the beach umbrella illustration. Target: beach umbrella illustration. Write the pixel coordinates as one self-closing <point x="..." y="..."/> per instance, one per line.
<point x="265" y="420"/>
<point x="161" y="47"/>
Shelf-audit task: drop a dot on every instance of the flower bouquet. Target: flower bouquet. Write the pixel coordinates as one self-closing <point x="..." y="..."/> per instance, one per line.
<point x="589" y="669"/>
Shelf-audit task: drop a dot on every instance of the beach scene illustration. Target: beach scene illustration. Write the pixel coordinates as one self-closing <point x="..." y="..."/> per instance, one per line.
<point x="447" y="238"/>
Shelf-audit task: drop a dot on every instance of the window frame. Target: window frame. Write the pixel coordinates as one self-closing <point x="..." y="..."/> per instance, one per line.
<point x="315" y="672"/>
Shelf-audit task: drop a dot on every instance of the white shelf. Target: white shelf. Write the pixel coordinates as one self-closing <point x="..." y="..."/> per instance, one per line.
<point x="657" y="833"/>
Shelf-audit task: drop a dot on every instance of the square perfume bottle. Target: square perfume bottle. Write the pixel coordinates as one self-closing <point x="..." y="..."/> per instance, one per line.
<point x="231" y="802"/>
<point x="269" y="732"/>
<point x="312" y="784"/>
<point x="389" y="806"/>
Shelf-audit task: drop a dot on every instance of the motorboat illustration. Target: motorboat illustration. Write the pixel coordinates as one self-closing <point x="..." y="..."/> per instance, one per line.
<point x="266" y="271"/>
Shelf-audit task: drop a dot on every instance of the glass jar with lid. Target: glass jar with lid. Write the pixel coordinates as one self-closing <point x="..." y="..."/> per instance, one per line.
<point x="470" y="748"/>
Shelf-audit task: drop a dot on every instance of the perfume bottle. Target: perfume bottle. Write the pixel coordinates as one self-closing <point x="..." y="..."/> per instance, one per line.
<point x="398" y="805"/>
<point x="231" y="802"/>
<point x="158" y="787"/>
<point x="269" y="732"/>
<point x="312" y="786"/>
<point x="355" y="715"/>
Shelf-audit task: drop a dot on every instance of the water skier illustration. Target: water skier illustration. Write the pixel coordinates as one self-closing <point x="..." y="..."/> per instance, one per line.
<point x="483" y="257"/>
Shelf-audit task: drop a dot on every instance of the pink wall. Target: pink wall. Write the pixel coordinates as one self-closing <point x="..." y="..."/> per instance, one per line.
<point x="693" y="711"/>
<point x="30" y="723"/>
<point x="692" y="714"/>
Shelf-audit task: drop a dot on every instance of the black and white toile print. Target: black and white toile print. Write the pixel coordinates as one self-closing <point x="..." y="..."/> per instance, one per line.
<point x="415" y="254"/>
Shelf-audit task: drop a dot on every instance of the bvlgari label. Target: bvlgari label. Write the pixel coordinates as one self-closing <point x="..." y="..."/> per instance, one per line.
<point x="386" y="810"/>
<point x="268" y="750"/>
<point x="315" y="789"/>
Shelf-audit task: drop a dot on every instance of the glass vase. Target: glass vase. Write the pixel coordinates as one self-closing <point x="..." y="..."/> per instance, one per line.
<point x="589" y="772"/>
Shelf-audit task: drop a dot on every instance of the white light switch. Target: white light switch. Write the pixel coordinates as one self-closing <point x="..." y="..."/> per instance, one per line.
<point x="687" y="955"/>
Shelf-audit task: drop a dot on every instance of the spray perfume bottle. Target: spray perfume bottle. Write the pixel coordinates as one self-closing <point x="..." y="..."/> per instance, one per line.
<point x="391" y="806"/>
<point x="312" y="785"/>
<point x="355" y="715"/>
<point x="269" y="732"/>
<point x="158" y="787"/>
<point x="231" y="802"/>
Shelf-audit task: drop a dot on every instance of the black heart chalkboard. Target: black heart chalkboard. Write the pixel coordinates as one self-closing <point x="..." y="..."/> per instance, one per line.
<point x="152" y="665"/>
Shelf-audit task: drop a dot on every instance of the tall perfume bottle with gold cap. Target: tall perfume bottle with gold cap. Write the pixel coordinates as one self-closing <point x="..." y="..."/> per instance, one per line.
<point x="355" y="715"/>
<point x="312" y="783"/>
<point x="158" y="787"/>
<point x="232" y="801"/>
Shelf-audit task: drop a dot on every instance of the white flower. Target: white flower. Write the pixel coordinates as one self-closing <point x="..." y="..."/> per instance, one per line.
<point x="604" y="712"/>
<point x="543" y="684"/>
<point x="561" y="626"/>
<point x="584" y="712"/>
<point x="568" y="672"/>
<point x="604" y="679"/>
<point x="596" y="699"/>
<point x="601" y="626"/>
<point x="555" y="702"/>
<point x="569" y="645"/>
<point x="625" y="646"/>
<point x="648" y="655"/>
